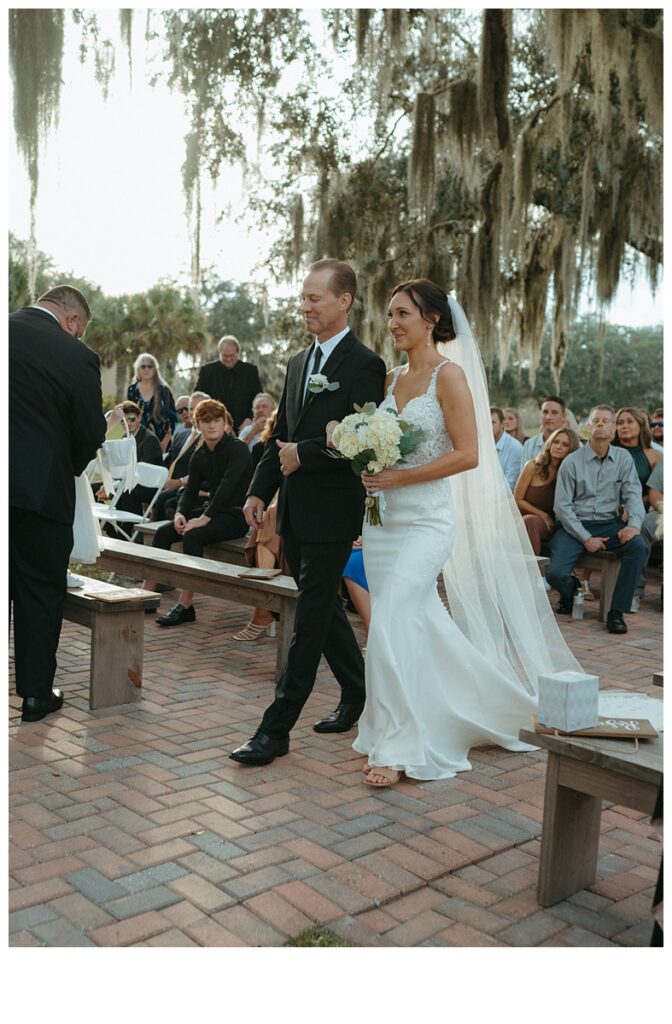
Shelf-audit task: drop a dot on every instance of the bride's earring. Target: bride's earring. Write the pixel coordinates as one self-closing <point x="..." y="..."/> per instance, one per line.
<point x="429" y="336"/>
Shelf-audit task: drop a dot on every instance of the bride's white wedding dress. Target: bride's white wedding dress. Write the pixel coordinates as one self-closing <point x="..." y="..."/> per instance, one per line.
<point x="431" y="695"/>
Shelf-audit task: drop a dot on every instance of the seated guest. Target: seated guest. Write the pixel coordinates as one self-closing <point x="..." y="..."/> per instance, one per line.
<point x="509" y="451"/>
<point x="513" y="425"/>
<point x="593" y="484"/>
<point x="257" y="450"/>
<point x="534" y="492"/>
<point x="183" y="418"/>
<point x="657" y="430"/>
<point x="652" y="526"/>
<point x="633" y="434"/>
<point x="263" y="550"/>
<point x="179" y="454"/>
<point x="357" y="586"/>
<point x="147" y="449"/>
<point x="552" y="416"/>
<point x="263" y="406"/>
<point x="224" y="462"/>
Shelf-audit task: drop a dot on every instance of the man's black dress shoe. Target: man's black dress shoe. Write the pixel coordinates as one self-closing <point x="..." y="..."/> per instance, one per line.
<point x="340" y="720"/>
<point x="177" y="615"/>
<point x="615" y="623"/>
<point x="564" y="607"/>
<point x="34" y="709"/>
<point x="261" y="749"/>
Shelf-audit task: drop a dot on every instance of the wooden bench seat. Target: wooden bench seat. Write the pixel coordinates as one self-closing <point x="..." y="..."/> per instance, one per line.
<point x="231" y="551"/>
<point x="210" y="577"/>
<point x="116" y="618"/>
<point x="581" y="773"/>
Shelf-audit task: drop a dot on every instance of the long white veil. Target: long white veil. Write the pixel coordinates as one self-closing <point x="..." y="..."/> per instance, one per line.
<point x="493" y="584"/>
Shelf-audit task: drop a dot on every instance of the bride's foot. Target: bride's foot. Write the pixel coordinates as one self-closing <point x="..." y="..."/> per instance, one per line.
<point x="381" y="778"/>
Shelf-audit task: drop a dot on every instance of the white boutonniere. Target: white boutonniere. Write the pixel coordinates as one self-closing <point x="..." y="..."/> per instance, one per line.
<point x="317" y="383"/>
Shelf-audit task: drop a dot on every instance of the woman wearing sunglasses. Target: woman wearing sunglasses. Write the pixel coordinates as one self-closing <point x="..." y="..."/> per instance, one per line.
<point x="150" y="391"/>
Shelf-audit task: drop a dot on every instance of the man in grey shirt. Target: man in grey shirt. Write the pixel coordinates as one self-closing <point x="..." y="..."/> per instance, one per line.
<point x="598" y="506"/>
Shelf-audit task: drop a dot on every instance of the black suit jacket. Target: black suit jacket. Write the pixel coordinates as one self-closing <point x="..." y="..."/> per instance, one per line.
<point x="56" y="421"/>
<point x="323" y="500"/>
<point x="236" y="387"/>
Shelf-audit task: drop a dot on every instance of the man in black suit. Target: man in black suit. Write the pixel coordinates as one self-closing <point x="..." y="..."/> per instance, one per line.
<point x="231" y="381"/>
<point x="56" y="425"/>
<point x="320" y="508"/>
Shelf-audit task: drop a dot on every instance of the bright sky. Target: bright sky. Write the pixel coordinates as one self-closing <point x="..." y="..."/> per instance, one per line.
<point x="120" y="161"/>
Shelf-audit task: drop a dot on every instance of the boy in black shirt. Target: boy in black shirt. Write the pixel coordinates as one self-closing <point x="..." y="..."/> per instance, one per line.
<point x="225" y="463"/>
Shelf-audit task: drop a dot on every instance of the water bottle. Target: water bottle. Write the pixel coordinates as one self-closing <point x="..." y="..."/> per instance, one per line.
<point x="577" y="604"/>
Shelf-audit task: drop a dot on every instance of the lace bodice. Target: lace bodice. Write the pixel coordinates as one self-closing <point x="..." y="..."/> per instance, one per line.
<point x="425" y="412"/>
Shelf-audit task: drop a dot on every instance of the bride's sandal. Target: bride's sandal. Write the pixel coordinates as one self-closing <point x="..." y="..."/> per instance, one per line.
<point x="253" y="632"/>
<point x="389" y="776"/>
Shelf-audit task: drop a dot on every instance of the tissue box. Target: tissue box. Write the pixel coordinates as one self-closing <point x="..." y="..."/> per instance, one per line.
<point x="568" y="700"/>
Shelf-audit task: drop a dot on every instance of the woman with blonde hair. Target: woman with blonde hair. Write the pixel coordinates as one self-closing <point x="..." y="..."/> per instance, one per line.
<point x="150" y="391"/>
<point x="513" y="425"/>
<point x="534" y="492"/>
<point x="634" y="433"/>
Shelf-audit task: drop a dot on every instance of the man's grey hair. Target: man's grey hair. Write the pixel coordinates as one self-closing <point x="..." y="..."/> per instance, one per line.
<point x="228" y="339"/>
<point x="604" y="408"/>
<point x="199" y="396"/>
<point x="264" y="394"/>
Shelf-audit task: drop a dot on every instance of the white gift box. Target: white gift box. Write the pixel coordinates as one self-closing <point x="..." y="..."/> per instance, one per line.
<point x="568" y="700"/>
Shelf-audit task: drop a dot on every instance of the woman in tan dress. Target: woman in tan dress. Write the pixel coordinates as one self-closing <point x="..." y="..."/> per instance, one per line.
<point x="534" y="492"/>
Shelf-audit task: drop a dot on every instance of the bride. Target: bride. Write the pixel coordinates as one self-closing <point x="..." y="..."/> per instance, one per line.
<point x="438" y="684"/>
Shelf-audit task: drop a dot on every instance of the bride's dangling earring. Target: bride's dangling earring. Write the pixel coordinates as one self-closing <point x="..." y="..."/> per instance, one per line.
<point x="429" y="336"/>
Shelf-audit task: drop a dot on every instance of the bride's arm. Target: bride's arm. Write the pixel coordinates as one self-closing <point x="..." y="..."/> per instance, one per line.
<point x="456" y="402"/>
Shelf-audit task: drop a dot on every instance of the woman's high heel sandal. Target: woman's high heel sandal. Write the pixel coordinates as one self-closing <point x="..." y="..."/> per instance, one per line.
<point x="252" y="632"/>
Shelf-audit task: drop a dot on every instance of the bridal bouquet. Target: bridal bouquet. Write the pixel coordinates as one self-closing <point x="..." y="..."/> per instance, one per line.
<point x="374" y="439"/>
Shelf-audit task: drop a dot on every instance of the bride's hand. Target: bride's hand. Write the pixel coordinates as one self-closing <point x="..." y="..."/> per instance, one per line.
<point x="331" y="426"/>
<point x="383" y="481"/>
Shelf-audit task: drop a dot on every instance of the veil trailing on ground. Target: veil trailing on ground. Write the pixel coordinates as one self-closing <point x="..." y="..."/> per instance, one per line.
<point x="493" y="584"/>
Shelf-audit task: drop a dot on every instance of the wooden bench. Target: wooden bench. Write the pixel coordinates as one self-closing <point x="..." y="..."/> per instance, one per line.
<point x="608" y="565"/>
<point x="210" y="577"/>
<point x="116" y="618"/>
<point x="580" y="774"/>
<point x="231" y="551"/>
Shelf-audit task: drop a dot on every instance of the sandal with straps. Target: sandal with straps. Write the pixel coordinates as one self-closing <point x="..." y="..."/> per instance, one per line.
<point x="252" y="632"/>
<point x="389" y="775"/>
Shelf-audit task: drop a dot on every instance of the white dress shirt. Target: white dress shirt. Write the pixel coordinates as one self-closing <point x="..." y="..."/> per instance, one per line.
<point x="327" y="347"/>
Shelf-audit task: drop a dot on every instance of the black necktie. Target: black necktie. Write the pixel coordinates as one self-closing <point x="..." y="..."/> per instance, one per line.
<point x="316" y="365"/>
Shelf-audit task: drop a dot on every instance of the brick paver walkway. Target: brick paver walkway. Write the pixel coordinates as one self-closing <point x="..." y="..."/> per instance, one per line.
<point x="132" y="827"/>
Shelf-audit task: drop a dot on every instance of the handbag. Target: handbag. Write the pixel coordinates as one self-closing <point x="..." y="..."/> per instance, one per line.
<point x="117" y="460"/>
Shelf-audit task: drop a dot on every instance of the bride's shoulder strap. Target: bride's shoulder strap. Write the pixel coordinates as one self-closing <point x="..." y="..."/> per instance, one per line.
<point x="435" y="374"/>
<point x="395" y="377"/>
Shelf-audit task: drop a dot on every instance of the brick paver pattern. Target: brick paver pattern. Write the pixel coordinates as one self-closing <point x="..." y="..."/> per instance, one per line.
<point x="131" y="827"/>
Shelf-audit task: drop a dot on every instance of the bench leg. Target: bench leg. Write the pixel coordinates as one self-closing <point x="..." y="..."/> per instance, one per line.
<point x="285" y="634"/>
<point x="569" y="839"/>
<point x="610" y="571"/>
<point x="116" y="658"/>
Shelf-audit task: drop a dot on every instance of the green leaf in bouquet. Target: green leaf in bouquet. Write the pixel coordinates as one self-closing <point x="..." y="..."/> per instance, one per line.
<point x="410" y="440"/>
<point x="366" y="410"/>
<point x="361" y="461"/>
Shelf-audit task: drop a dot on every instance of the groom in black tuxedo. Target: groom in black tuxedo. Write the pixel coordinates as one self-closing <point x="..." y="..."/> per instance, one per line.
<point x="320" y="507"/>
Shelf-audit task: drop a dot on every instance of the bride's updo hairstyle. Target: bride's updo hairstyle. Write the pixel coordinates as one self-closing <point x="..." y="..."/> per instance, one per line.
<point x="431" y="301"/>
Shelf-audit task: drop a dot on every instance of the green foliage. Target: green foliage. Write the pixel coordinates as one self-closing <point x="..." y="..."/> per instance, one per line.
<point x="623" y="368"/>
<point x="317" y="937"/>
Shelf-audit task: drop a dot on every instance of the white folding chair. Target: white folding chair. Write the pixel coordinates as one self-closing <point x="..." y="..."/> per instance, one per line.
<point x="146" y="475"/>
